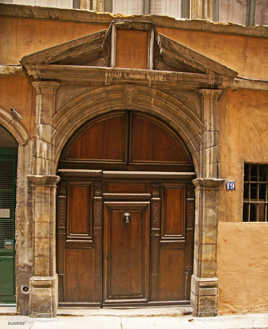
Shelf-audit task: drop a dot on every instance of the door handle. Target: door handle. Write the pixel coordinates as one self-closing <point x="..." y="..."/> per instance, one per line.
<point x="126" y="217"/>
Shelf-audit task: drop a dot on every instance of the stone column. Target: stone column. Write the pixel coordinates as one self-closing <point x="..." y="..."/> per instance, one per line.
<point x="202" y="9"/>
<point x="43" y="154"/>
<point x="204" y="288"/>
<point x="42" y="202"/>
<point x="43" y="283"/>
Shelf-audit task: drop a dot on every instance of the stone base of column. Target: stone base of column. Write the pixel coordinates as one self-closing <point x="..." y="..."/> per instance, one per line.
<point x="204" y="296"/>
<point x="43" y="300"/>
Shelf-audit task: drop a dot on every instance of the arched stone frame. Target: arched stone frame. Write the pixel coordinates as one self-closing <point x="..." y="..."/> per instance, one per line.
<point x="201" y="137"/>
<point x="16" y="129"/>
<point x="200" y="134"/>
<point x="152" y="101"/>
<point x="23" y="225"/>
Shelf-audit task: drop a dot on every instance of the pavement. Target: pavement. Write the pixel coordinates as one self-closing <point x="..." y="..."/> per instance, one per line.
<point x="150" y="318"/>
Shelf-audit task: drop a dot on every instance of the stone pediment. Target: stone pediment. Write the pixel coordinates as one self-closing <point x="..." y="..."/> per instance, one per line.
<point x="86" y="51"/>
<point x="125" y="45"/>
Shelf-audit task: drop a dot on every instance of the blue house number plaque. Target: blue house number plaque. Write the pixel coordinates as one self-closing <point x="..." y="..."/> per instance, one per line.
<point x="230" y="185"/>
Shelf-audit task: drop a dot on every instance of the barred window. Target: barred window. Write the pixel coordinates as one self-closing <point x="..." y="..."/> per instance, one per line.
<point x="255" y="208"/>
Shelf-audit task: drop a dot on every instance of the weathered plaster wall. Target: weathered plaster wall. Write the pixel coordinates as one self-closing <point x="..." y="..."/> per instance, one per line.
<point x="22" y="36"/>
<point x="243" y="138"/>
<point x="242" y="247"/>
<point x="240" y="53"/>
<point x="242" y="267"/>
<point x="16" y="92"/>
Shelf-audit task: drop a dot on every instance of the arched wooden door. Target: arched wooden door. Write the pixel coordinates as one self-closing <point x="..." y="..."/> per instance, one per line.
<point x="125" y="214"/>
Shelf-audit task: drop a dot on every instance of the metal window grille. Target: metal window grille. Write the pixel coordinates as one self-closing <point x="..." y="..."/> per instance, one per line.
<point x="255" y="206"/>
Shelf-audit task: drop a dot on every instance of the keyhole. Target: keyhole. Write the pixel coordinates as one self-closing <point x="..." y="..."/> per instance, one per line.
<point x="127" y="217"/>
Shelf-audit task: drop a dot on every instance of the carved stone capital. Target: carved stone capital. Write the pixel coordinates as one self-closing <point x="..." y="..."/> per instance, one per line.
<point x="211" y="183"/>
<point x="45" y="87"/>
<point x="43" y="180"/>
<point x="210" y="93"/>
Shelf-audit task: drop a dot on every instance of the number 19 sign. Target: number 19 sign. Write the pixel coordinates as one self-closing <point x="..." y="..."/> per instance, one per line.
<point x="230" y="185"/>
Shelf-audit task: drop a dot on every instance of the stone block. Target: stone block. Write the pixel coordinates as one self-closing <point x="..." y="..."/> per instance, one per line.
<point x="208" y="252"/>
<point x="41" y="265"/>
<point x="42" y="229"/>
<point x="208" y="292"/>
<point x="207" y="304"/>
<point x="208" y="268"/>
<point x="44" y="131"/>
<point x="210" y="139"/>
<point x="209" y="234"/>
<point x="42" y="246"/>
<point x="43" y="296"/>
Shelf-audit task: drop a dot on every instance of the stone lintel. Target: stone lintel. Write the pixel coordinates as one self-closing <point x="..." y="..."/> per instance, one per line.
<point x="208" y="183"/>
<point x="108" y="76"/>
<point x="44" y="180"/>
<point x="128" y="24"/>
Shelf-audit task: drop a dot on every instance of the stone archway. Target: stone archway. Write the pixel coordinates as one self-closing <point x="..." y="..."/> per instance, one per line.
<point x="200" y="133"/>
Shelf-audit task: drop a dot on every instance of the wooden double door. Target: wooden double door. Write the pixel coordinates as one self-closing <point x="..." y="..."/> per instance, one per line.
<point x="125" y="214"/>
<point x="123" y="242"/>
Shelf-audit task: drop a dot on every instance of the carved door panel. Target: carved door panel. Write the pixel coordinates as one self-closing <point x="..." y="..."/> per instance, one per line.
<point x="126" y="250"/>
<point x="78" y="245"/>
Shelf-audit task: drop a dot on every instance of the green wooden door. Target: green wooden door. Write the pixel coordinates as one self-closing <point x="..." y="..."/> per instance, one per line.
<point x="8" y="169"/>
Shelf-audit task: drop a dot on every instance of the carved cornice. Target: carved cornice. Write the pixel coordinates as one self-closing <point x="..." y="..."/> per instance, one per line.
<point x="99" y="76"/>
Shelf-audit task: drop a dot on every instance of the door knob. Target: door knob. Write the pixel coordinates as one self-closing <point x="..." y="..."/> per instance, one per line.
<point x="127" y="217"/>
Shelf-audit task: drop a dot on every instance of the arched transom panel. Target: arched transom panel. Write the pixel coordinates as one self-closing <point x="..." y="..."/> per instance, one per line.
<point x="128" y="139"/>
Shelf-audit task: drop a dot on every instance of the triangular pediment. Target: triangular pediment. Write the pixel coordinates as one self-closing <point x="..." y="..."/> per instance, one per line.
<point x="184" y="59"/>
<point x="100" y="50"/>
<point x="87" y="50"/>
